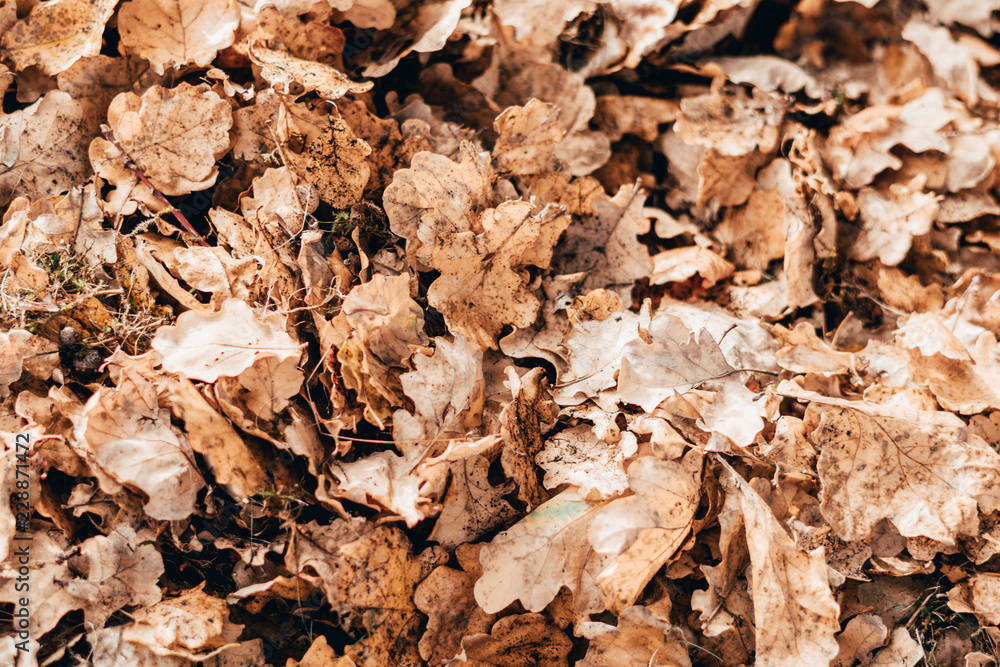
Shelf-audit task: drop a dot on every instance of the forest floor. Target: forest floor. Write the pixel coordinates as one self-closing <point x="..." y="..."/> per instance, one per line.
<point x="499" y="332"/>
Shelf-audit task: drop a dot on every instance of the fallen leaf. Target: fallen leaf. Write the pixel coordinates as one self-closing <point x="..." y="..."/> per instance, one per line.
<point x="173" y="135"/>
<point x="174" y="33"/>
<point x="129" y="436"/>
<point x="919" y="469"/>
<point x="282" y="69"/>
<point x="643" y="531"/>
<point x="44" y="148"/>
<point x="56" y="35"/>
<point x="222" y="344"/>
<point x="520" y="641"/>
<point x="790" y="587"/>
<point x="544" y="551"/>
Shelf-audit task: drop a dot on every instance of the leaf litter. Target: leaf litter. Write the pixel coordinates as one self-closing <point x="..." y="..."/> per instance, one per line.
<point x="592" y="333"/>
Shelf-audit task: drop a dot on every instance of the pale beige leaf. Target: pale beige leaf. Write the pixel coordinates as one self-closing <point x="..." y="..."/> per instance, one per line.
<point x="544" y="551"/>
<point x="643" y="531"/>
<point x="173" y="135"/>
<point x="736" y="412"/>
<point x="680" y="264"/>
<point x="234" y="466"/>
<point x="539" y="21"/>
<point x="131" y="438"/>
<point x="902" y="651"/>
<point x="270" y="382"/>
<point x="123" y="569"/>
<point x="385" y="479"/>
<point x="578" y="457"/>
<point x="595" y="351"/>
<point x="23" y="353"/>
<point x="484" y="278"/>
<point x="986" y="597"/>
<point x="336" y="164"/>
<point x="447" y="394"/>
<point x="44" y="148"/>
<point x="436" y="197"/>
<point x="528" y="138"/>
<point x="672" y="362"/>
<point x="606" y="245"/>
<point x="964" y="380"/>
<point x="221" y="344"/>
<point x="640" y="638"/>
<point x="280" y="68"/>
<point x="473" y="506"/>
<point x="49" y="600"/>
<point x="190" y="624"/>
<point x="173" y="33"/>
<point x="890" y="221"/>
<point x="794" y="609"/>
<point x="863" y="634"/>
<point x="57" y="34"/>
<point x="921" y="470"/>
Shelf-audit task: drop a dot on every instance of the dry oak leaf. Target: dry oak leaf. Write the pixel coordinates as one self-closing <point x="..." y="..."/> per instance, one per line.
<point x="22" y="352"/>
<point x="672" y="362"/>
<point x="473" y="506"/>
<point x="377" y="329"/>
<point x="193" y="625"/>
<point x="126" y="432"/>
<point x="606" y="244"/>
<point x="57" y="34"/>
<point x="446" y="597"/>
<point x="731" y="123"/>
<point x="336" y="163"/>
<point x="963" y="380"/>
<point x="379" y="570"/>
<point x="484" y="283"/>
<point x="795" y="612"/>
<point x="902" y="651"/>
<point x="379" y="573"/>
<point x="283" y="69"/>
<point x="320" y="654"/>
<point x="544" y="551"/>
<point x="43" y="148"/>
<point x="49" y="600"/>
<point x="269" y="384"/>
<point x="863" y="634"/>
<point x="577" y="456"/>
<point x="207" y="346"/>
<point x="922" y="470"/>
<point x="447" y="394"/>
<point x="521" y="423"/>
<point x="891" y="220"/>
<point x="123" y="570"/>
<point x="860" y="148"/>
<point x="985" y="590"/>
<point x="173" y="135"/>
<point x="522" y="640"/>
<point x="641" y="638"/>
<point x="232" y="463"/>
<point x="642" y="532"/>
<point x="595" y="350"/>
<point x="173" y="33"/>
<point x="430" y="26"/>
<point x="528" y="138"/>
<point x="436" y="197"/>
<point x="385" y="478"/>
